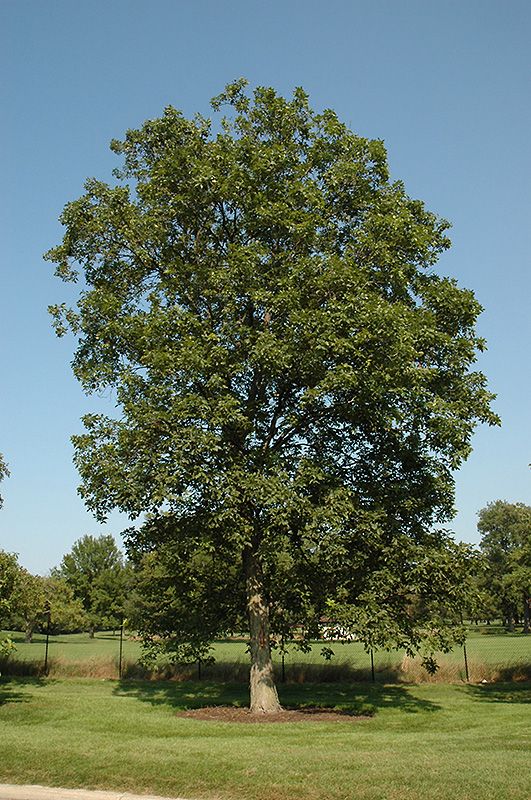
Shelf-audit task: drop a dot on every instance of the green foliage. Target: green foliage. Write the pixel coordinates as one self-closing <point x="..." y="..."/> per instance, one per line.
<point x="33" y="598"/>
<point x="9" y="570"/>
<point x="95" y="572"/>
<point x="28" y="603"/>
<point x="411" y="596"/>
<point x="294" y="380"/>
<point x="506" y="548"/>
<point x="188" y="587"/>
<point x="66" y="611"/>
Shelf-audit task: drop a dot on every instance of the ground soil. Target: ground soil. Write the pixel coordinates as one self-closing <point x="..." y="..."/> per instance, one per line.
<point x="233" y="714"/>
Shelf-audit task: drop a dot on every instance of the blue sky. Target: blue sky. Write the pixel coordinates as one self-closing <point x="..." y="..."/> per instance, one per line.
<point x="446" y="85"/>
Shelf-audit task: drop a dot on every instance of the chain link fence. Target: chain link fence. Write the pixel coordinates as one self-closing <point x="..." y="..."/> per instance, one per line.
<point x="490" y="654"/>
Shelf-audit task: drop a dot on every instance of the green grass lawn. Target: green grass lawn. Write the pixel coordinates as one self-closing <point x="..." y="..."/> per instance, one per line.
<point x="75" y="646"/>
<point x="99" y="656"/>
<point x="421" y="743"/>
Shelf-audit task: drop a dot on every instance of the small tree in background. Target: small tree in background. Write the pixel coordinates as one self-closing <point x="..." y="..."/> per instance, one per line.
<point x="34" y="597"/>
<point x="94" y="569"/>
<point x="294" y="379"/>
<point x="506" y="545"/>
<point x="9" y="571"/>
<point x="28" y="603"/>
<point x="482" y="603"/>
<point x="66" y="611"/>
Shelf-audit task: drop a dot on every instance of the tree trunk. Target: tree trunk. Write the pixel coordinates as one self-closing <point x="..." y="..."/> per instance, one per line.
<point x="91" y="632"/>
<point x="263" y="692"/>
<point x="527" y="600"/>
<point x="28" y="634"/>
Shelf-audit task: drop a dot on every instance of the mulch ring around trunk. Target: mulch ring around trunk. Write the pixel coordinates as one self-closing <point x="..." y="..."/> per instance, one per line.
<point x="234" y="714"/>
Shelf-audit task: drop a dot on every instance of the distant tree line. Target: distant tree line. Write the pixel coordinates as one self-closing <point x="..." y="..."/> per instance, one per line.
<point x="88" y="591"/>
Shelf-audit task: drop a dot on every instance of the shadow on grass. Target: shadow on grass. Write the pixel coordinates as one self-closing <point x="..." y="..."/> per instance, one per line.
<point x="19" y="638"/>
<point x="501" y="692"/>
<point x="10" y="689"/>
<point x="12" y="668"/>
<point x="38" y="639"/>
<point x="349" y="698"/>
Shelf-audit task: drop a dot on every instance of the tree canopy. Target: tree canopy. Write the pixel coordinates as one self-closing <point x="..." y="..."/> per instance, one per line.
<point x="293" y="378"/>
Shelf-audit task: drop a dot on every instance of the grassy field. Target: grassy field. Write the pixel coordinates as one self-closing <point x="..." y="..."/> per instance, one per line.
<point x="492" y="655"/>
<point x="419" y="743"/>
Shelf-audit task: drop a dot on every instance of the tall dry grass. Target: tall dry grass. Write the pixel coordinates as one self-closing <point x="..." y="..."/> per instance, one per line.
<point x="408" y="670"/>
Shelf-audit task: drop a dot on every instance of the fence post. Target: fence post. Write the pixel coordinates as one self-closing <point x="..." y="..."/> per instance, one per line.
<point x="49" y="614"/>
<point x="465" y="655"/>
<point x="121" y="648"/>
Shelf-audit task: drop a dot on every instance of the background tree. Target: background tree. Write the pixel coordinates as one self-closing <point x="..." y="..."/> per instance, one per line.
<point x="67" y="614"/>
<point x="94" y="570"/>
<point x="27" y="603"/>
<point x="482" y="604"/>
<point x="506" y="545"/>
<point x="34" y="596"/>
<point x="293" y="378"/>
<point x="9" y="570"/>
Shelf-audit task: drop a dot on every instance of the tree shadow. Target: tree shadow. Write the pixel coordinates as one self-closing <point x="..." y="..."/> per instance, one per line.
<point x="354" y="699"/>
<point x="501" y="692"/>
<point x="367" y="698"/>
<point x="19" y="638"/>
<point x="10" y="689"/>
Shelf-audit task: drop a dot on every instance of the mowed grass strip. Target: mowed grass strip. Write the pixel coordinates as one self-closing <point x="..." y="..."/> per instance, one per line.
<point x="421" y="742"/>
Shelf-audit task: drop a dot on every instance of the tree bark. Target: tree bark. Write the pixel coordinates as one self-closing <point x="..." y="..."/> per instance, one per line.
<point x="263" y="692"/>
<point x="28" y="634"/>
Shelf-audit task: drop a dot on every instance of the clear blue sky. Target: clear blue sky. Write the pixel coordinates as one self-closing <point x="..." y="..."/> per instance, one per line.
<point x="446" y="85"/>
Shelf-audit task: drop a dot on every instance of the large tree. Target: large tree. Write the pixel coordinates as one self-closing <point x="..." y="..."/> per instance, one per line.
<point x="293" y="377"/>
<point x="506" y="545"/>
